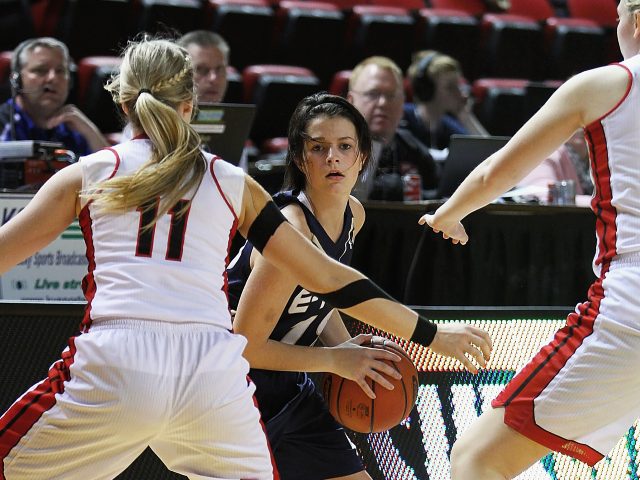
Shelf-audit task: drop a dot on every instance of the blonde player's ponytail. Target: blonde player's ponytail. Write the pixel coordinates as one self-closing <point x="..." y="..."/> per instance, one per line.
<point x="155" y="78"/>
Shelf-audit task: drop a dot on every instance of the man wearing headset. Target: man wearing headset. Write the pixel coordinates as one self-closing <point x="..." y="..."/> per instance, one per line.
<point x="40" y="83"/>
<point x="441" y="107"/>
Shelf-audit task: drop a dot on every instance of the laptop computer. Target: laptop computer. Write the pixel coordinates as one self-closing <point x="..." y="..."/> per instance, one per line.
<point x="224" y="128"/>
<point x="465" y="153"/>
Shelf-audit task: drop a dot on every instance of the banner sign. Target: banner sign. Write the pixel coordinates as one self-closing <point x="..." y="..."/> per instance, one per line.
<point x="53" y="273"/>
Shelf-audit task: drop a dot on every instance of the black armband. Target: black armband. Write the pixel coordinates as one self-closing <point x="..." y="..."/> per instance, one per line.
<point x="354" y="293"/>
<point x="424" y="332"/>
<point x="265" y="225"/>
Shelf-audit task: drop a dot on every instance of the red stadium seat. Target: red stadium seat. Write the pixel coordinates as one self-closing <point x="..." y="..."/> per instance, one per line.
<point x="472" y="7"/>
<point x="500" y="104"/>
<point x="275" y="90"/>
<point x="183" y="16"/>
<point x="377" y="30"/>
<point x="571" y="44"/>
<point x="512" y="46"/>
<point x="408" y="4"/>
<point x="87" y="37"/>
<point x="247" y="26"/>
<point x="5" y="70"/>
<point x="340" y="83"/>
<point x="93" y="99"/>
<point x="309" y="34"/>
<point x="16" y="23"/>
<point x="234" y="92"/>
<point x="603" y="12"/>
<point x="452" y="32"/>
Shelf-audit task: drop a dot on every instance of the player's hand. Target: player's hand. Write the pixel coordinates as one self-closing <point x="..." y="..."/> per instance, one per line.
<point x="450" y="230"/>
<point x="463" y="342"/>
<point x="357" y="363"/>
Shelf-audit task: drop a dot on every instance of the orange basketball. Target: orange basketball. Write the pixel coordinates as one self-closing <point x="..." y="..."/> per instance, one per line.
<point x="351" y="407"/>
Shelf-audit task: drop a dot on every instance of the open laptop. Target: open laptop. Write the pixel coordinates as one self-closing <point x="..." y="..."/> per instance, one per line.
<point x="224" y="128"/>
<point x="465" y="153"/>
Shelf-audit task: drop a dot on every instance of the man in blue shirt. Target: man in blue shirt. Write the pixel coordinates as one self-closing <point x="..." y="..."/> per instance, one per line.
<point x="40" y="83"/>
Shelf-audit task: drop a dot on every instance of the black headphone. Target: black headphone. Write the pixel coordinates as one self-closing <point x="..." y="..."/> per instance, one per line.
<point x="15" y="79"/>
<point x="424" y="88"/>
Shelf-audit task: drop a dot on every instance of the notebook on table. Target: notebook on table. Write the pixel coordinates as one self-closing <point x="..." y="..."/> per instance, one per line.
<point x="224" y="128"/>
<point x="466" y="152"/>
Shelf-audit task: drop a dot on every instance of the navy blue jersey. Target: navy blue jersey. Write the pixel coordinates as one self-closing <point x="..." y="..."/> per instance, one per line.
<point x="307" y="443"/>
<point x="305" y="315"/>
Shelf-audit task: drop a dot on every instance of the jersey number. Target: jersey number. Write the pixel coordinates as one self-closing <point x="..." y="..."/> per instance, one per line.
<point x="175" y="241"/>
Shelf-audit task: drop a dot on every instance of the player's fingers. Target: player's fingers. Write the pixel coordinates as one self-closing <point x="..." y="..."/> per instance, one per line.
<point x="381" y="379"/>
<point x="362" y="338"/>
<point x="386" y="369"/>
<point x="366" y="388"/>
<point x="476" y="353"/>
<point x="483" y="342"/>
<point x="380" y="354"/>
<point x="467" y="364"/>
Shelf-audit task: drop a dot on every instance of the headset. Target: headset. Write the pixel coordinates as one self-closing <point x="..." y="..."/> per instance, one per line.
<point x="424" y="88"/>
<point x="15" y="79"/>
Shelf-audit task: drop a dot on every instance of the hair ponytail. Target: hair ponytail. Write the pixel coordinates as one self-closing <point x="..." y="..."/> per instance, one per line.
<point x="156" y="76"/>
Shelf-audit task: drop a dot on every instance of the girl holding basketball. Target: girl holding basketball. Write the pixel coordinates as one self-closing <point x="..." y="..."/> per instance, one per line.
<point x="158" y="215"/>
<point x="329" y="145"/>
<point x="580" y="394"/>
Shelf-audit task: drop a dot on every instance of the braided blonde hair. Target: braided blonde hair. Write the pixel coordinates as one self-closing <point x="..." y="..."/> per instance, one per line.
<point x="155" y="78"/>
<point x="632" y="5"/>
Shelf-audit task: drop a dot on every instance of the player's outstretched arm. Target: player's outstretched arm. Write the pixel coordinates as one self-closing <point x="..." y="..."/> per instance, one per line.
<point x="45" y="217"/>
<point x="564" y="113"/>
<point x="345" y="288"/>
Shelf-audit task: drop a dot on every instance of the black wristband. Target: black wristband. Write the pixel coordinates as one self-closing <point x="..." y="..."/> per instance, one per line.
<point x="424" y="332"/>
<point x="265" y="225"/>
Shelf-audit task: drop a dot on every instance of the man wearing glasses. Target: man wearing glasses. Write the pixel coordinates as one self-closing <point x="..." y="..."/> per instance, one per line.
<point x="210" y="56"/>
<point x="376" y="90"/>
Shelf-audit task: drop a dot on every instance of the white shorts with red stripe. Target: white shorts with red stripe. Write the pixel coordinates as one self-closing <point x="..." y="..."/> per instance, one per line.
<point x="125" y="385"/>
<point x="581" y="392"/>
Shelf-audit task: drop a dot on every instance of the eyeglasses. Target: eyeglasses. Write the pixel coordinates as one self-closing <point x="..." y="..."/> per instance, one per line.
<point x="220" y="70"/>
<point x="376" y="95"/>
<point x="42" y="71"/>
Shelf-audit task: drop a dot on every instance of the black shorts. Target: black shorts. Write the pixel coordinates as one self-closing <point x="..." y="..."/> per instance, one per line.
<point x="307" y="443"/>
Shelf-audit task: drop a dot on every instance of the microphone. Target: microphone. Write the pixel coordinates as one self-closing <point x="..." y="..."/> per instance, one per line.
<point x="24" y="91"/>
<point x="15" y="90"/>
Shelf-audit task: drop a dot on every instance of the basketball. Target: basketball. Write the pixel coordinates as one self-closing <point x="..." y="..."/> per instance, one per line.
<point x="351" y="407"/>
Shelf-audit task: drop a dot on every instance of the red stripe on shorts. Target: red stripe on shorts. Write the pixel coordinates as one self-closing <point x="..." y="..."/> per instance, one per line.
<point x="518" y="396"/>
<point x="25" y="412"/>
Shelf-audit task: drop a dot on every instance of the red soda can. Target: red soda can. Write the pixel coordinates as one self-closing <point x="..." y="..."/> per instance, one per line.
<point x="412" y="186"/>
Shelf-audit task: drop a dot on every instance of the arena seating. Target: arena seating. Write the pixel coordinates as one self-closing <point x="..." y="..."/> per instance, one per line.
<point x="534" y="41"/>
<point x="380" y="30"/>
<point x="247" y="25"/>
<point x="275" y="90"/>
<point x="309" y="34"/>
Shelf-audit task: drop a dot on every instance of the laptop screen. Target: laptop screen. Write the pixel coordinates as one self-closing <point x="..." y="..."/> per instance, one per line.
<point x="465" y="153"/>
<point x="224" y="128"/>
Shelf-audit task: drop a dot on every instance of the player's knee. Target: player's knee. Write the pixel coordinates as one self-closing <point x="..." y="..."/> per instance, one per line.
<point x="463" y="460"/>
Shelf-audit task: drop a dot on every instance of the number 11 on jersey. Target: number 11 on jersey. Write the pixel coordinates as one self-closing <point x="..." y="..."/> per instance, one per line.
<point x="146" y="233"/>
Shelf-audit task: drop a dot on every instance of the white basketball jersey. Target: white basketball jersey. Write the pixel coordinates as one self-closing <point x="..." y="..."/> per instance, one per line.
<point x="614" y="146"/>
<point x="173" y="272"/>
